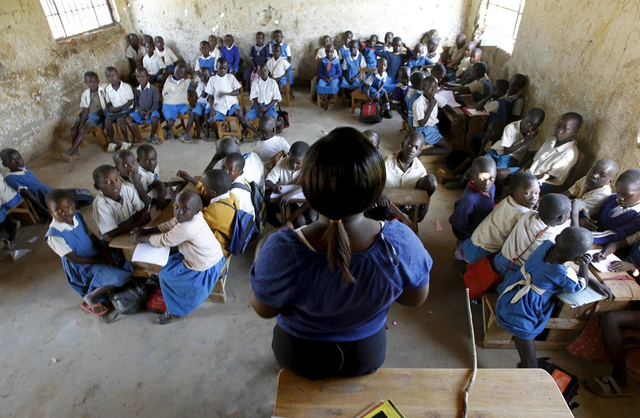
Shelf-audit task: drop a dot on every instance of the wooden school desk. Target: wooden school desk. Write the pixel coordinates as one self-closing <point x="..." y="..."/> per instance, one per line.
<point x="508" y="393"/>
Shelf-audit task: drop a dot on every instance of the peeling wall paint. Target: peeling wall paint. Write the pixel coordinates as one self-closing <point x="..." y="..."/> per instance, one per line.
<point x="581" y="56"/>
<point x="183" y="24"/>
<point x="41" y="80"/>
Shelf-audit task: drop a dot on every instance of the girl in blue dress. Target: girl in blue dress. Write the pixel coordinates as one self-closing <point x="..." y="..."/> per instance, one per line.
<point x="352" y="61"/>
<point x="526" y="294"/>
<point x="329" y="72"/>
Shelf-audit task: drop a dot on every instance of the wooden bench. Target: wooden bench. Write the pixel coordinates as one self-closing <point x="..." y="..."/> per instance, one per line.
<point x="25" y="213"/>
<point x="357" y="96"/>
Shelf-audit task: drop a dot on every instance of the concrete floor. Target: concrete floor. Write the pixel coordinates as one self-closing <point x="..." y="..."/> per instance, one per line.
<point x="218" y="363"/>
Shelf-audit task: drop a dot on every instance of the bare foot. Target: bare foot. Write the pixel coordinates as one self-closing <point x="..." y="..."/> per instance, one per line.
<point x="444" y="177"/>
<point x="69" y="158"/>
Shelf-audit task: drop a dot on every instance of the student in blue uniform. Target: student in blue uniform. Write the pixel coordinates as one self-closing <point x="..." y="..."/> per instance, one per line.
<point x="189" y="276"/>
<point x="369" y="51"/>
<point x="479" y="86"/>
<point x="231" y="53"/>
<point x="329" y="72"/>
<point x="495" y="103"/>
<point x="207" y="59"/>
<point x="259" y="54"/>
<point x="395" y="60"/>
<point x="22" y="180"/>
<point x="413" y="94"/>
<point x="374" y="87"/>
<point x="526" y="294"/>
<point x="419" y="61"/>
<point x="514" y="97"/>
<point x="399" y="94"/>
<point x="345" y="48"/>
<point x="351" y="64"/>
<point x="91" y="269"/>
<point x="285" y="51"/>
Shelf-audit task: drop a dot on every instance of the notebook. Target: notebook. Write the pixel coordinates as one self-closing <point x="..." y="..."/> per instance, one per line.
<point x="147" y="253"/>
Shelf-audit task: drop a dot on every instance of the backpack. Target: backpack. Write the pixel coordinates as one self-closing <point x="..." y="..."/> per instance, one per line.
<point x="370" y="113"/>
<point x="127" y="300"/>
<point x="242" y="230"/>
<point x="259" y="204"/>
<point x="567" y="382"/>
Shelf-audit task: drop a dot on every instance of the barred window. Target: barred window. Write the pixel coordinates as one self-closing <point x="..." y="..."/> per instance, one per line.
<point x="71" y="17"/>
<point x="501" y="21"/>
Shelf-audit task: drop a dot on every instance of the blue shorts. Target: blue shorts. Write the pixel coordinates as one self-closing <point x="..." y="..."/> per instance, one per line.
<point x="504" y="160"/>
<point x="472" y="251"/>
<point x="431" y="134"/>
<point x="219" y="117"/>
<point x="139" y="120"/>
<point x="93" y="120"/>
<point x="172" y="111"/>
<point x="202" y="109"/>
<point x="10" y="204"/>
<point x="253" y="112"/>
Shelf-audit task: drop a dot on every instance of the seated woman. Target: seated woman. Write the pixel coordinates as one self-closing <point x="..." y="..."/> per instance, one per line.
<point x="337" y="277"/>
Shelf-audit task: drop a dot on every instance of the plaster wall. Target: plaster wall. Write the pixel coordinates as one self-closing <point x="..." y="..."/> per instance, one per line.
<point x="581" y="56"/>
<point x="41" y="79"/>
<point x="183" y="23"/>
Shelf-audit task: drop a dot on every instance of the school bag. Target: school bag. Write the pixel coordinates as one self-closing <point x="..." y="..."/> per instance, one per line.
<point x="258" y="202"/>
<point x="242" y="230"/>
<point x="284" y="116"/>
<point x="370" y="113"/>
<point x="155" y="300"/>
<point x="127" y="300"/>
<point x="566" y="382"/>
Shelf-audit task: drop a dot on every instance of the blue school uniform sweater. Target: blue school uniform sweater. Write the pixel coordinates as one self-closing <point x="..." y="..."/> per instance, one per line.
<point x="259" y="55"/>
<point x="28" y="181"/>
<point x="335" y="71"/>
<point x="419" y="62"/>
<point x="232" y="55"/>
<point x="370" y="58"/>
<point x="618" y="227"/>
<point x="409" y="105"/>
<point x="399" y="96"/>
<point x="471" y="209"/>
<point x="394" y="62"/>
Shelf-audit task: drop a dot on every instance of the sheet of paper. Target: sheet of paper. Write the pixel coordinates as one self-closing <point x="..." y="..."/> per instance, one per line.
<point x="451" y="100"/>
<point x="578" y="299"/>
<point x="603" y="266"/>
<point x="474" y="112"/>
<point x="286" y="189"/>
<point x="147" y="253"/>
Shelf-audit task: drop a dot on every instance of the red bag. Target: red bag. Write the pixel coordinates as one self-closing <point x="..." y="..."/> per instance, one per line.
<point x="155" y="301"/>
<point x="370" y="113"/>
<point x="480" y="277"/>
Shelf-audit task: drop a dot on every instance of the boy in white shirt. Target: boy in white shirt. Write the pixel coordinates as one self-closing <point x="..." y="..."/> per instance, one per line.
<point x="168" y="56"/>
<point x="119" y="98"/>
<point x="201" y="112"/>
<point x="154" y="64"/>
<point x="425" y="118"/>
<point x="134" y="52"/>
<point x="117" y="209"/>
<point x="270" y="144"/>
<point x="595" y="187"/>
<point x="554" y="160"/>
<point x="240" y="188"/>
<point x="253" y="168"/>
<point x="223" y="90"/>
<point x="278" y="66"/>
<point x="264" y="95"/>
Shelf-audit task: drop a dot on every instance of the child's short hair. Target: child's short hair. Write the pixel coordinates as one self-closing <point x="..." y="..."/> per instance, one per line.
<point x="417" y="80"/>
<point x="535" y="113"/>
<point x="483" y="165"/>
<point x="439" y="67"/>
<point x="520" y="178"/>
<point x="433" y="41"/>
<point x="299" y="149"/>
<point x="575" y="116"/>
<point x="502" y="85"/>
<point x="55" y="195"/>
<point x="6" y="154"/>
<point x="480" y="68"/>
<point x="573" y="242"/>
<point x="204" y="42"/>
<point x="101" y="171"/>
<point x="277" y="31"/>
<point x="90" y="74"/>
<point x="217" y="180"/>
<point x="144" y="149"/>
<point x="553" y="206"/>
<point x="142" y="70"/>
<point x="120" y="154"/>
<point x="520" y="79"/>
<point x="260" y="33"/>
<point x="630" y="177"/>
<point x="428" y="81"/>
<point x="110" y="69"/>
<point x="222" y="61"/>
<point x="236" y="159"/>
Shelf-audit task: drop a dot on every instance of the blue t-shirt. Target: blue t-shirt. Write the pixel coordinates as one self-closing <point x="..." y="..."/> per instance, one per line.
<point x="315" y="303"/>
<point x="469" y="211"/>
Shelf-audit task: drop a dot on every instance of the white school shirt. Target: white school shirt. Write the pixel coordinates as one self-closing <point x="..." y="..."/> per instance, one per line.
<point x="283" y="173"/>
<point x="496" y="227"/>
<point x="524" y="233"/>
<point x="254" y="169"/>
<point x="277" y="68"/>
<point x="243" y="196"/>
<point x="510" y="137"/>
<point x="108" y="213"/>
<point x="398" y="179"/>
<point x="287" y="51"/>
<point x="212" y="54"/>
<point x="265" y="91"/>
<point x="267" y="149"/>
<point x="322" y="53"/>
<point x="199" y="90"/>
<point x="58" y="244"/>
<point x="146" y="178"/>
<point x="464" y="64"/>
<point x="593" y="199"/>
<point x="121" y="96"/>
<point x="85" y="99"/>
<point x="167" y="56"/>
<point x="555" y="161"/>
<point x="218" y="85"/>
<point x="6" y="192"/>
<point x="420" y="107"/>
<point x="477" y="86"/>
<point x="153" y="63"/>
<point x="135" y="55"/>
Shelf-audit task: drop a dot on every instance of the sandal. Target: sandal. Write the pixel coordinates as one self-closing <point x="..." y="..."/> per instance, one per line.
<point x="155" y="141"/>
<point x="609" y="388"/>
<point x="92" y="308"/>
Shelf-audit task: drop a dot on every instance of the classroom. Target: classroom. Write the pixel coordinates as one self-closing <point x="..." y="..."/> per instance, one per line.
<point x="168" y="166"/>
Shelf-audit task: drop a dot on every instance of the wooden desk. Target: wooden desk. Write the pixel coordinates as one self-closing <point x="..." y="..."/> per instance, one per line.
<point x="424" y="393"/>
<point x="623" y="291"/>
<point x="408" y="197"/>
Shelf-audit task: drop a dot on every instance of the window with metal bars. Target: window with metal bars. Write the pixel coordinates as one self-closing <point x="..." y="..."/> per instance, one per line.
<point x="501" y="21"/>
<point x="71" y="17"/>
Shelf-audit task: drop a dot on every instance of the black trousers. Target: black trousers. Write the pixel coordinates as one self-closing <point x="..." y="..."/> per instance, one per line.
<point x="321" y="359"/>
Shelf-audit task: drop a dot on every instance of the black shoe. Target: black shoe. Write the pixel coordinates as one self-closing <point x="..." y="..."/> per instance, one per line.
<point x="387" y="114"/>
<point x="167" y="318"/>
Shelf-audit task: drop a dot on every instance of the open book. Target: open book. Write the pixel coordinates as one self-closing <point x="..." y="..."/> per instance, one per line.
<point x="451" y="100"/>
<point x="147" y="253"/>
<point x="603" y="266"/>
<point x="286" y="189"/>
<point x="578" y="299"/>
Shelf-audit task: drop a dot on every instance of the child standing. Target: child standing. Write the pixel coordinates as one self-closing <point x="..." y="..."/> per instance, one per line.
<point x="93" y="103"/>
<point x="190" y="275"/>
<point x="146" y="103"/>
<point x="222" y="93"/>
<point x="345" y="48"/>
<point x="270" y="144"/>
<point x="329" y="73"/>
<point x="425" y="118"/>
<point x="278" y="65"/>
<point x="285" y="52"/>
<point x="526" y="294"/>
<point x="352" y="62"/>
<point x="89" y="265"/>
<point x="231" y="53"/>
<point x="264" y="95"/>
<point x="259" y="54"/>
<point x="373" y="87"/>
<point x="208" y="58"/>
<point x="117" y="209"/>
<point x="200" y="113"/>
<point x="476" y="201"/>
<point x="595" y="187"/>
<point x="154" y="64"/>
<point x="119" y="98"/>
<point x="556" y="157"/>
<point x="492" y="232"/>
<point x="175" y="99"/>
<point x="369" y="51"/>
<point x="168" y="56"/>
